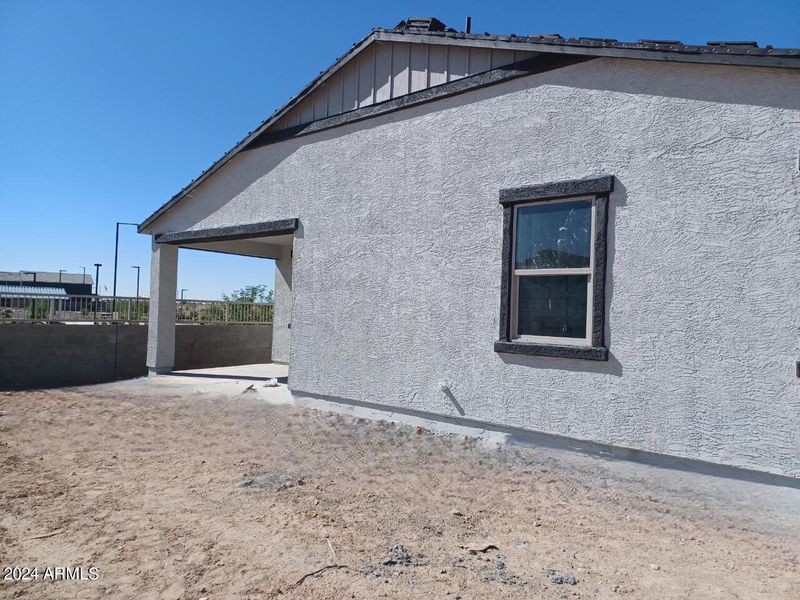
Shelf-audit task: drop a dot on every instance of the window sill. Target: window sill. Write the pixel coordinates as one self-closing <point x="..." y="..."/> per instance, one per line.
<point x="582" y="352"/>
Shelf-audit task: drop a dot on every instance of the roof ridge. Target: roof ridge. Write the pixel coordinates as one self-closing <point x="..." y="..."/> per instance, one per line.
<point x="430" y="28"/>
<point x="726" y="47"/>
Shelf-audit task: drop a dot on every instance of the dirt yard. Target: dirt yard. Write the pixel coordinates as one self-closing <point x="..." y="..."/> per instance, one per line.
<point x="188" y="495"/>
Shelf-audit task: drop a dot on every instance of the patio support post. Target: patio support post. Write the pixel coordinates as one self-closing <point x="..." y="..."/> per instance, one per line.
<point x="282" y="310"/>
<point x="163" y="288"/>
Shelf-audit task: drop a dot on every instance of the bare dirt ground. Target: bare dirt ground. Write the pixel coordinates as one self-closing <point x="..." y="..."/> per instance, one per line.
<point x="173" y="494"/>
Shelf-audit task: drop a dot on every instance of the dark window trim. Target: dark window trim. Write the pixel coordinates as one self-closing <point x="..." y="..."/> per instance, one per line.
<point x="584" y="352"/>
<point x="558" y="189"/>
<point x="600" y="188"/>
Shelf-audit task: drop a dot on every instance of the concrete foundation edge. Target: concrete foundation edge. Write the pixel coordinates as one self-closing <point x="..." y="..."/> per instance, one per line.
<point x="153" y="371"/>
<point x="492" y="434"/>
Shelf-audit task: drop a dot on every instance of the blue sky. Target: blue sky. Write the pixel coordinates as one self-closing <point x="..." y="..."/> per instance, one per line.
<point x="107" y="108"/>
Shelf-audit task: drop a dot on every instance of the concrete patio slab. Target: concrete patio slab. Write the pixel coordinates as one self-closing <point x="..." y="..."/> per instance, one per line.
<point x="240" y="379"/>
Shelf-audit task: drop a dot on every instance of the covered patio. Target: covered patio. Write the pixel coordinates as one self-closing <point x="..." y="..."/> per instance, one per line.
<point x="254" y="380"/>
<point x="269" y="240"/>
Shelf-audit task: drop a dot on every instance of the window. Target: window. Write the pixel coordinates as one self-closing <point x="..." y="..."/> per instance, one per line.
<point x="551" y="285"/>
<point x="554" y="255"/>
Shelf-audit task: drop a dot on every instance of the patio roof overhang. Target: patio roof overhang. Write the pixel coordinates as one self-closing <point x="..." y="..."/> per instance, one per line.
<point x="263" y="240"/>
<point x="235" y="232"/>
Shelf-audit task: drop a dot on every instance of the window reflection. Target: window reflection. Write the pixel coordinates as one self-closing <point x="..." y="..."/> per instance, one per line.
<point x="554" y="236"/>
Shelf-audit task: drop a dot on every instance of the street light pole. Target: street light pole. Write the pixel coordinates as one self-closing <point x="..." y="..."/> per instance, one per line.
<point x="96" y="288"/>
<point x="116" y="257"/>
<point x="136" y="302"/>
<point x="60" y="271"/>
<point x="97" y="279"/>
<point x="183" y="290"/>
<point x="137" y="279"/>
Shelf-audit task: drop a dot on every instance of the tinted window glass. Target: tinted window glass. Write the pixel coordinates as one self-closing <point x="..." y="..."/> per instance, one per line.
<point x="554" y="236"/>
<point x="553" y="306"/>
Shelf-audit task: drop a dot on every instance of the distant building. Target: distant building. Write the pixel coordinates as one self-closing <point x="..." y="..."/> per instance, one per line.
<point x="31" y="282"/>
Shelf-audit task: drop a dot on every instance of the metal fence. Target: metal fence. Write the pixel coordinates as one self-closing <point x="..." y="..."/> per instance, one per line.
<point x="45" y="308"/>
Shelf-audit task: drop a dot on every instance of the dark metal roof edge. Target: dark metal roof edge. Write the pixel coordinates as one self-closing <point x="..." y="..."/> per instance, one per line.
<point x="523" y="68"/>
<point x="754" y="57"/>
<point x="235" y="232"/>
<point x="669" y="46"/>
<point x="265" y="124"/>
<point x="722" y="55"/>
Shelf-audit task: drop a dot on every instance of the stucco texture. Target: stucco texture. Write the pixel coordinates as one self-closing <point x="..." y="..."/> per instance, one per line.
<point x="396" y="272"/>
<point x="282" y="314"/>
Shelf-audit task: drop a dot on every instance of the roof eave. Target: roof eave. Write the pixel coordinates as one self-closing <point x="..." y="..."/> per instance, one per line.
<point x="669" y="52"/>
<point x="245" y="141"/>
<point x="762" y="57"/>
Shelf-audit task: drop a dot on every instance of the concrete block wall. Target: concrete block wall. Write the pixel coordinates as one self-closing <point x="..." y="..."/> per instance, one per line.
<point x="40" y="356"/>
<point x="199" y="347"/>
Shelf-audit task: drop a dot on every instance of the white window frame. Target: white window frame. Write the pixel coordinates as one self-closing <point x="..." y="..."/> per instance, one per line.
<point x="516" y="274"/>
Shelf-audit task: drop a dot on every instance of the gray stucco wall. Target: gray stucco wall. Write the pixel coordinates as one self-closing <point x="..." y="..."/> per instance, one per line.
<point x="33" y="355"/>
<point x="396" y="272"/>
<point x="282" y="316"/>
<point x="163" y="288"/>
